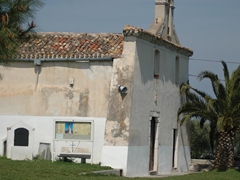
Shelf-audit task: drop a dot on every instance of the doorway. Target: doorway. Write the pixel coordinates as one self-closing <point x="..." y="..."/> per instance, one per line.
<point x="175" y="149"/>
<point x="5" y="148"/>
<point x="153" y="145"/>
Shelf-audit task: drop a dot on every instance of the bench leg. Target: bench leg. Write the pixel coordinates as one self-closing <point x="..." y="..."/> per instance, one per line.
<point x="83" y="160"/>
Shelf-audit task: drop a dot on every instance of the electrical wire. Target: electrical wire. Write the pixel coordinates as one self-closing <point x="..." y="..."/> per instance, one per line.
<point x="197" y="76"/>
<point x="211" y="60"/>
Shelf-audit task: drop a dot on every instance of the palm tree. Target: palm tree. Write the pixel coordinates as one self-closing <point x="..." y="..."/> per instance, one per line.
<point x="221" y="111"/>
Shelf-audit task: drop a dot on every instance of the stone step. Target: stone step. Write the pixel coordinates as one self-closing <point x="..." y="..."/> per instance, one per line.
<point x="117" y="172"/>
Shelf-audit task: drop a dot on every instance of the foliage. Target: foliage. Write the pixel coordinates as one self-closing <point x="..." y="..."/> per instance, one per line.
<point x="222" y="112"/>
<point x="199" y="139"/>
<point x="42" y="169"/>
<point x="14" y="15"/>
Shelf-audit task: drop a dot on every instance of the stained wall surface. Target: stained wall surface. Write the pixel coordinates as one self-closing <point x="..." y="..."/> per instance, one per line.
<point x="119" y="108"/>
<point x="161" y="95"/>
<point x="39" y="95"/>
<point x="116" y="140"/>
<point x="46" y="90"/>
<point x="127" y="134"/>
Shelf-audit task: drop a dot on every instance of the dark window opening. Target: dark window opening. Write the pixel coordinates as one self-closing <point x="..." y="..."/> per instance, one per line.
<point x="177" y="70"/>
<point x="156" y="64"/>
<point x="5" y="148"/>
<point x="21" y="137"/>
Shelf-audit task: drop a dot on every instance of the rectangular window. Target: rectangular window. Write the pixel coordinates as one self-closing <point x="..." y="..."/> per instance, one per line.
<point x="73" y="130"/>
<point x="177" y="71"/>
<point x="156" y="64"/>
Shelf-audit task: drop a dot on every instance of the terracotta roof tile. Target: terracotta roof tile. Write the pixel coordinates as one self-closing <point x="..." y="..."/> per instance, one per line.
<point x="88" y="45"/>
<point x="72" y="45"/>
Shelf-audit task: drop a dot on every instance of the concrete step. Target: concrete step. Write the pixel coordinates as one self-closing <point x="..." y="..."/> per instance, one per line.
<point x="117" y="172"/>
<point x="174" y="170"/>
<point x="152" y="172"/>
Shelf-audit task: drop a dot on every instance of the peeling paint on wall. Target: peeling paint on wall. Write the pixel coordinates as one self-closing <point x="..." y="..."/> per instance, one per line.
<point x="119" y="108"/>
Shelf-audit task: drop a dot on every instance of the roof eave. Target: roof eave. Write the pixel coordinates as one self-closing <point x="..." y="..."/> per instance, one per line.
<point x="140" y="33"/>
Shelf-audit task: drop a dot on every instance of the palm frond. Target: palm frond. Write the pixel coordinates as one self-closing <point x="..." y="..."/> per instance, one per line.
<point x="213" y="78"/>
<point x="225" y="72"/>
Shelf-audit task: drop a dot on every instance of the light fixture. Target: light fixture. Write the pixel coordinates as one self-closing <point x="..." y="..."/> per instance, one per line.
<point x="122" y="89"/>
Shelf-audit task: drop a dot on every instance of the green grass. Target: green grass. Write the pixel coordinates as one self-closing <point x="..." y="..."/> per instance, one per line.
<point x="40" y="169"/>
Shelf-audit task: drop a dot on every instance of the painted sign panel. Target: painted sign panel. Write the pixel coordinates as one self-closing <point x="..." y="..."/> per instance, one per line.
<point x="73" y="130"/>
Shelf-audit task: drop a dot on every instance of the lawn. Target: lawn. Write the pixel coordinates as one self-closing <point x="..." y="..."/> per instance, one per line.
<point x="40" y="169"/>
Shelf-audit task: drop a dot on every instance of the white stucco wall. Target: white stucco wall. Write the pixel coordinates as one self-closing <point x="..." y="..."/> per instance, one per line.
<point x="115" y="156"/>
<point x="20" y="152"/>
<point x="145" y="94"/>
<point x="158" y="95"/>
<point x="184" y="158"/>
<point x="136" y="162"/>
<point x="44" y="132"/>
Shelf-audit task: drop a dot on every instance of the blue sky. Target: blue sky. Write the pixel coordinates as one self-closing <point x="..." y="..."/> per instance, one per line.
<point x="209" y="27"/>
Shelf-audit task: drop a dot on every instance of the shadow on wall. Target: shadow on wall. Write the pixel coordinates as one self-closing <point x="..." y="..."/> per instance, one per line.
<point x="183" y="145"/>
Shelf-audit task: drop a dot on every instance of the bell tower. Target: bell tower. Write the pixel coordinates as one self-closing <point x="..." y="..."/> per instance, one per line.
<point x="163" y="21"/>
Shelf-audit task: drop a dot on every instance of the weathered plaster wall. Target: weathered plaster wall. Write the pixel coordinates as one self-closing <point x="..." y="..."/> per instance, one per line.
<point x="115" y="149"/>
<point x="129" y="115"/>
<point x="159" y="95"/>
<point x="24" y="92"/>
<point x="119" y="107"/>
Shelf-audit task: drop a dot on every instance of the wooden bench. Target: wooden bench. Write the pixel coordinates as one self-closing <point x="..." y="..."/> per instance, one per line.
<point x="82" y="156"/>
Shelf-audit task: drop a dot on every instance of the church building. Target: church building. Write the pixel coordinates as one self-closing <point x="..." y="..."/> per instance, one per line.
<point x="112" y="98"/>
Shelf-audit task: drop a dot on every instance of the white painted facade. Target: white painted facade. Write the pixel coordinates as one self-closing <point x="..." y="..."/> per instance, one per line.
<point x="136" y="131"/>
<point x="150" y="97"/>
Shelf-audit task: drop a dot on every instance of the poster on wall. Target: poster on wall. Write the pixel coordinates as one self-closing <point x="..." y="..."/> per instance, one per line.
<point x="73" y="130"/>
<point x="68" y="127"/>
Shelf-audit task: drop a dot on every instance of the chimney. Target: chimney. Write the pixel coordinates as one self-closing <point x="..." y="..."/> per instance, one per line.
<point x="163" y="22"/>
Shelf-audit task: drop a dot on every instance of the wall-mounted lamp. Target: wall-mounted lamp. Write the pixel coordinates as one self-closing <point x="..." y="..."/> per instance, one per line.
<point x="122" y="89"/>
<point x="71" y="82"/>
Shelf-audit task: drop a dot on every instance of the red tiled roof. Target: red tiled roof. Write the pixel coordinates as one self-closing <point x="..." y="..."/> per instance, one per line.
<point x="72" y="45"/>
<point x="88" y="45"/>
